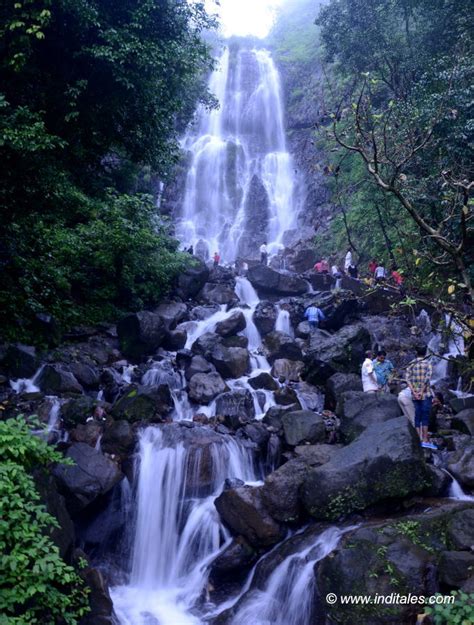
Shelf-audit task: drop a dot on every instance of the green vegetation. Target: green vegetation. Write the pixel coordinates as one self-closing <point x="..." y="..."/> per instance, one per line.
<point x="93" y="94"/>
<point x="461" y="612"/>
<point x="401" y="134"/>
<point x="37" y="586"/>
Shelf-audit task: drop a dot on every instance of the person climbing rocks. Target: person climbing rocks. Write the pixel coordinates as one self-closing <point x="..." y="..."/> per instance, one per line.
<point x="369" y="379"/>
<point x="216" y="258"/>
<point x="314" y="315"/>
<point x="347" y="261"/>
<point x="263" y="253"/>
<point x="418" y="377"/>
<point x="383" y="369"/>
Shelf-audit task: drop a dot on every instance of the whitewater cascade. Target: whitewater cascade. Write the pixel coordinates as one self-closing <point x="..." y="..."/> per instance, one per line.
<point x="240" y="188"/>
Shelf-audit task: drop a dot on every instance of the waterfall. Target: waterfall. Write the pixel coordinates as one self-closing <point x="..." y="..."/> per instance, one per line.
<point x="177" y="531"/>
<point x="239" y="190"/>
<point x="283" y="323"/>
<point x="27" y="385"/>
<point x="455" y="347"/>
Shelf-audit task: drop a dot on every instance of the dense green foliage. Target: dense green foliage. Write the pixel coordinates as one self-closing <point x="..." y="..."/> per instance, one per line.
<point x="93" y="93"/>
<point x="400" y="93"/>
<point x="36" y="585"/>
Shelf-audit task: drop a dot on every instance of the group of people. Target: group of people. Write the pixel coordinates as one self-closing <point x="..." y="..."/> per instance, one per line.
<point x="416" y="400"/>
<point x="377" y="273"/>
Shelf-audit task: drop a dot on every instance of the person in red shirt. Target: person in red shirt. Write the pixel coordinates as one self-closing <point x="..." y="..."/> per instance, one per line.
<point x="396" y="276"/>
<point x="373" y="266"/>
<point x="216" y="258"/>
<point x="322" y="266"/>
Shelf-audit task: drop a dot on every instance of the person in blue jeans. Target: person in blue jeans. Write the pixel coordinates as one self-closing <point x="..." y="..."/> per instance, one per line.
<point x="314" y="315"/>
<point x="418" y="376"/>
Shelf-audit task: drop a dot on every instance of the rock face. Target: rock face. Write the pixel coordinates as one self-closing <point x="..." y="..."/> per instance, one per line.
<point x="278" y="345"/>
<point x="217" y="294"/>
<point x="462" y="466"/>
<point x="87" y="376"/>
<point x="21" y="361"/>
<point x="242" y="510"/>
<point x="171" y="313"/>
<point x="357" y="410"/>
<point x="144" y="404"/>
<point x="54" y="380"/>
<point x="119" y="439"/>
<point x="197" y="364"/>
<point x="303" y="426"/>
<point x="386" y="461"/>
<point x="263" y="380"/>
<point x="232" y="325"/>
<point x="236" y="406"/>
<point x="464" y="421"/>
<point x="204" y="387"/>
<point x="91" y="475"/>
<point x="344" y="350"/>
<point x="289" y="370"/>
<point x="266" y="281"/>
<point x="340" y="383"/>
<point x="140" y="334"/>
<point x="265" y="317"/>
<point x="256" y="218"/>
<point x="193" y="278"/>
<point x="238" y="555"/>
<point x="230" y="362"/>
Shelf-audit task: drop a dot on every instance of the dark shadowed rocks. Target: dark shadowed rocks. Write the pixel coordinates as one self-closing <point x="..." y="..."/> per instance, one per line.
<point x="172" y="313"/>
<point x="303" y="426"/>
<point x="357" y="410"/>
<point x="267" y="281"/>
<point x="192" y="279"/>
<point x="54" y="380"/>
<point x="278" y="345"/>
<point x="265" y="317"/>
<point x="230" y="362"/>
<point x="340" y="383"/>
<point x="21" y="361"/>
<point x="144" y="404"/>
<point x="232" y="325"/>
<point x="141" y="334"/>
<point x="263" y="380"/>
<point x="236" y="406"/>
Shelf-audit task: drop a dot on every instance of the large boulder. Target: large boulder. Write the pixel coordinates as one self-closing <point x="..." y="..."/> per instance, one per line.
<point x="464" y="421"/>
<point x="204" y="387"/>
<point x="192" y="279"/>
<point x="285" y="396"/>
<point x="243" y="511"/>
<point x="237" y="556"/>
<point x="91" y="476"/>
<point x="230" y="362"/>
<point x="263" y="380"/>
<point x="232" y="325"/>
<point x="303" y="426"/>
<point x="21" y="361"/>
<point x="310" y="397"/>
<point x="342" y="351"/>
<point x="303" y="259"/>
<point x="197" y="364"/>
<point x="455" y="568"/>
<point x="340" y="383"/>
<point x="357" y="410"/>
<point x="144" y="403"/>
<point x="54" y="380"/>
<point x="77" y="410"/>
<point x="119" y="439"/>
<point x="218" y="294"/>
<point x="386" y="461"/>
<point x="175" y="340"/>
<point x="461" y="465"/>
<point x="266" y="281"/>
<point x="204" y="344"/>
<point x="265" y="317"/>
<point x="236" y="406"/>
<point x="288" y="370"/>
<point x="86" y="375"/>
<point x="171" y="313"/>
<point x="140" y="334"/>
<point x="278" y="345"/>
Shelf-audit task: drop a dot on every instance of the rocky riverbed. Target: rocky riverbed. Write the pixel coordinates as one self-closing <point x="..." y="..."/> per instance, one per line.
<point x="269" y="444"/>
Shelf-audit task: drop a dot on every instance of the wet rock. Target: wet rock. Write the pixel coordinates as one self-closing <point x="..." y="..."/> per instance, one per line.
<point x="461" y="465"/>
<point x="233" y="482"/>
<point x="144" y="404"/>
<point x="204" y="387"/>
<point x="310" y="397"/>
<point x="175" y="340"/>
<point x="280" y="491"/>
<point x="171" y="313"/>
<point x="204" y="345"/>
<point x="285" y="396"/>
<point x="288" y="370"/>
<point x="76" y="411"/>
<point x="239" y="554"/>
<point x="91" y="476"/>
<point x="316" y="455"/>
<point x="265" y="317"/>
<point x="455" y="567"/>
<point x="100" y="603"/>
<point x="342" y="351"/>
<point x="266" y="281"/>
<point x="198" y="364"/>
<point x="439" y="482"/>
<point x="232" y="325"/>
<point x="119" y="439"/>
<point x="357" y="410"/>
<point x="183" y="358"/>
<point x="257" y="433"/>
<point x="274" y="415"/>
<point x="87" y="376"/>
<point x="278" y="345"/>
<point x="236" y="341"/>
<point x="230" y="362"/>
<point x="385" y="461"/>
<point x="53" y="380"/>
<point x="303" y="426"/>
<point x="200" y="313"/>
<point x="320" y="282"/>
<point x="218" y="294"/>
<point x="340" y="383"/>
<point x="21" y="361"/>
<point x="460" y="530"/>
<point x="464" y="421"/>
<point x="304" y="258"/>
<point x="243" y="511"/>
<point x="87" y="433"/>
<point x="192" y="279"/>
<point x="140" y="334"/>
<point x="303" y="330"/>
<point x="458" y="404"/>
<point x="236" y="406"/>
<point x="263" y="380"/>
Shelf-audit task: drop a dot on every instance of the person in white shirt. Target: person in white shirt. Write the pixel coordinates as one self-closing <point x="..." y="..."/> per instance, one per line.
<point x="369" y="379"/>
<point x="405" y="401"/>
<point x="379" y="273"/>
<point x="263" y="253"/>
<point x="336" y="273"/>
<point x="348" y="261"/>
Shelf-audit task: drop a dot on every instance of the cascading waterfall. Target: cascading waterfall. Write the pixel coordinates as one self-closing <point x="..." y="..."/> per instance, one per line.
<point x="177" y="530"/>
<point x="240" y="188"/>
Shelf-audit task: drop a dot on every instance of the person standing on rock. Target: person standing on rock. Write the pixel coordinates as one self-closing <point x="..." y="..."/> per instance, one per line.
<point x="216" y="258"/>
<point x="405" y="401"/>
<point x="263" y="253"/>
<point x="369" y="379"/>
<point x="418" y="377"/>
<point x="348" y="261"/>
<point x="383" y="369"/>
<point x="314" y="315"/>
<point x="337" y="275"/>
<point x="380" y="274"/>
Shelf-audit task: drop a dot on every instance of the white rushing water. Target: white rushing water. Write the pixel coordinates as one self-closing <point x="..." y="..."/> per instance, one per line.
<point x="177" y="532"/>
<point x="445" y="346"/>
<point x="240" y="188"/>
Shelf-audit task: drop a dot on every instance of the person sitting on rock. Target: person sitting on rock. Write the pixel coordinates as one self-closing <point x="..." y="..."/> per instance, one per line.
<point x="383" y="369"/>
<point x="369" y="379"/>
<point x="418" y="377"/>
<point x="263" y="253"/>
<point x="314" y="315"/>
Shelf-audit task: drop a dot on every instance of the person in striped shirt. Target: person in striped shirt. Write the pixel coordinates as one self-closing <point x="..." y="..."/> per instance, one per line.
<point x="418" y="377"/>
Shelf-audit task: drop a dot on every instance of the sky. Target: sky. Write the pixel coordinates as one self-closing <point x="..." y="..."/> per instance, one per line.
<point x="245" y="17"/>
